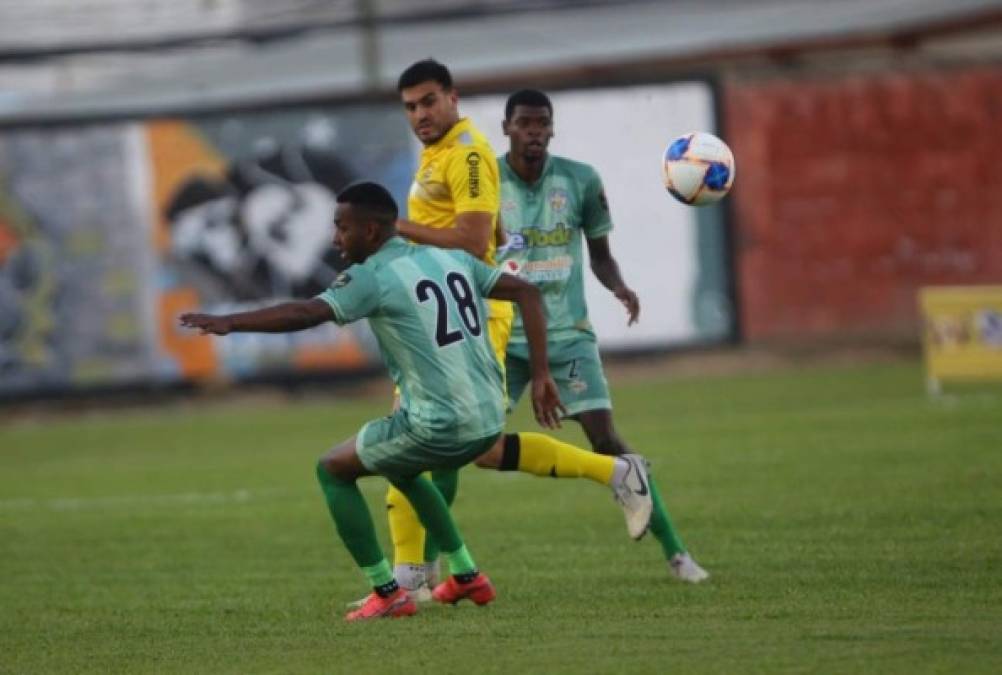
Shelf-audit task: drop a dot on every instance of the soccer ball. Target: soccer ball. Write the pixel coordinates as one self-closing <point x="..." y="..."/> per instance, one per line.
<point x="697" y="168"/>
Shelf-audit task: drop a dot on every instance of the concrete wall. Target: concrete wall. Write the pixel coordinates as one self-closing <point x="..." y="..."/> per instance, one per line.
<point x="855" y="190"/>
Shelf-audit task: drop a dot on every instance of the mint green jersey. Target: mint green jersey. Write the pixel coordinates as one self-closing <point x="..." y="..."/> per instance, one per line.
<point x="425" y="306"/>
<point x="545" y="223"/>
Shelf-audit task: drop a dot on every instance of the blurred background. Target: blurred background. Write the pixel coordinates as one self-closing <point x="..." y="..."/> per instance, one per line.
<point x="160" y="157"/>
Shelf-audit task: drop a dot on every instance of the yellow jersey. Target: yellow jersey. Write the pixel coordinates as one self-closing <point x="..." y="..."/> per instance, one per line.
<point x="457" y="174"/>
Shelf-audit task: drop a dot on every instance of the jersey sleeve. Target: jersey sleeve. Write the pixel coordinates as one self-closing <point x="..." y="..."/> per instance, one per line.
<point x="484" y="276"/>
<point x="354" y="295"/>
<point x="472" y="175"/>
<point x="596" y="220"/>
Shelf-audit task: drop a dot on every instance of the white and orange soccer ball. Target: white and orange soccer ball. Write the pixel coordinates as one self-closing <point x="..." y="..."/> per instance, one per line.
<point x="697" y="168"/>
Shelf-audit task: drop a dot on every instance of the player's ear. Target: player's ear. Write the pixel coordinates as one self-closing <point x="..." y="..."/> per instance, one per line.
<point x="504" y="127"/>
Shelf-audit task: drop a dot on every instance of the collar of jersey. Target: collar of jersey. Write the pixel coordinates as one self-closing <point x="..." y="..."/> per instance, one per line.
<point x="390" y="249"/>
<point x="542" y="174"/>
<point x="459" y="127"/>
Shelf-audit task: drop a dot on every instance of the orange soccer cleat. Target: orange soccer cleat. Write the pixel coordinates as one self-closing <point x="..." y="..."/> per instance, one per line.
<point x="378" y="607"/>
<point x="480" y="590"/>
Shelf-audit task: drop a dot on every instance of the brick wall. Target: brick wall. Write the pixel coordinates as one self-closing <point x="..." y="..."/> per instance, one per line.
<point x="854" y="191"/>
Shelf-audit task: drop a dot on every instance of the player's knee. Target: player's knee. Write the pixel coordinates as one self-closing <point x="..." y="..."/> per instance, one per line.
<point x="324" y="472"/>
<point x="328" y="467"/>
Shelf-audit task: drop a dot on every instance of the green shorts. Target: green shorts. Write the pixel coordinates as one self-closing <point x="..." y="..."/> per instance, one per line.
<point x="389" y="447"/>
<point x="576" y="368"/>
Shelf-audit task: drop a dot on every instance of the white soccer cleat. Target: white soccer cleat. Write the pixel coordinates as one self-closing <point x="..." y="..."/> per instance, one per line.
<point x="633" y="493"/>
<point x="683" y="567"/>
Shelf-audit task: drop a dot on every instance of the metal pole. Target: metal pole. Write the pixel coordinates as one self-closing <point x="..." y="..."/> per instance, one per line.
<point x="370" y="43"/>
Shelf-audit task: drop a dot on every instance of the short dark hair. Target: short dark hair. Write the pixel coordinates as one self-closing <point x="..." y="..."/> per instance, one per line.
<point x="373" y="198"/>
<point x="424" y="71"/>
<point x="530" y="97"/>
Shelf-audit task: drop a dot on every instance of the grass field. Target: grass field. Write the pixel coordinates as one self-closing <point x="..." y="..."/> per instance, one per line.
<point x="850" y="524"/>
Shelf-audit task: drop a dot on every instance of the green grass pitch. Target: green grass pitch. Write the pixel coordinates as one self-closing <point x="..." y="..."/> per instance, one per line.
<point x="850" y="525"/>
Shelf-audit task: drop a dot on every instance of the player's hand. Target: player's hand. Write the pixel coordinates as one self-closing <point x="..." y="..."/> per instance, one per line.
<point x="630" y="301"/>
<point x="207" y="323"/>
<point x="546" y="402"/>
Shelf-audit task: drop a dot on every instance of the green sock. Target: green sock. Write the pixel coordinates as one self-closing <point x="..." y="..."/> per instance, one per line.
<point x="460" y="562"/>
<point x="351" y="516"/>
<point x="379" y="574"/>
<point x="661" y="525"/>
<point x="434" y="514"/>
<point x="447" y="482"/>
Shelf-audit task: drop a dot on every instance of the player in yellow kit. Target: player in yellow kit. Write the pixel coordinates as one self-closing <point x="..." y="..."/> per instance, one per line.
<point x="454" y="203"/>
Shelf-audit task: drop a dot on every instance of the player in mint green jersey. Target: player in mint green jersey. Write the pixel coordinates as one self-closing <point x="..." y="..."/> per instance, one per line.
<point x="548" y="205"/>
<point x="425" y="306"/>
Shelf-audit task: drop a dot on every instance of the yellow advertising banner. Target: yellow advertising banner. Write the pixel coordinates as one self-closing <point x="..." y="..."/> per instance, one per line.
<point x="962" y="333"/>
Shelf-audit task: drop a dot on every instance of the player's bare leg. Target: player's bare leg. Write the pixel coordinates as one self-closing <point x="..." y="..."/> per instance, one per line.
<point x="601" y="433"/>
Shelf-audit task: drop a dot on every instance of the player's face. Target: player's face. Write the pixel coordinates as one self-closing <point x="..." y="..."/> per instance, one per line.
<point x="431" y="110"/>
<point x="352" y="234"/>
<point x="529" y="131"/>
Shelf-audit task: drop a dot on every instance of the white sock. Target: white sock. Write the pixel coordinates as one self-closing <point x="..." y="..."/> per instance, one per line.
<point x="619" y="472"/>
<point x="432" y="572"/>
<point x="409" y="576"/>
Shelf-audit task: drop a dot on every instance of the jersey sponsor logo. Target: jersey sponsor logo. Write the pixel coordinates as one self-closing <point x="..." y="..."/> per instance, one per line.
<point x="473" y="169"/>
<point x="342" y="280"/>
<point x="531" y="237"/>
<point x="512" y="267"/>
<point x="537" y="236"/>
<point x="552" y="269"/>
<point x="558" y="199"/>
<point x="514" y="242"/>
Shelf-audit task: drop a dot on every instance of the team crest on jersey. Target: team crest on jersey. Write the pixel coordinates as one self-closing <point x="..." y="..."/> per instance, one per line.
<point x="508" y="205"/>
<point x="342" y="280"/>
<point x="558" y="199"/>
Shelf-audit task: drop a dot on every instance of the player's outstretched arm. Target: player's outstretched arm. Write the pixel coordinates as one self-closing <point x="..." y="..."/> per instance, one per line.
<point x="283" y="318"/>
<point x="472" y="233"/>
<point x="545" y="399"/>
<point x="606" y="270"/>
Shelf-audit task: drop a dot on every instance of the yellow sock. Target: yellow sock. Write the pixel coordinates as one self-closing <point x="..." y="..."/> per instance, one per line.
<point x="405" y="529"/>
<point x="544" y="455"/>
